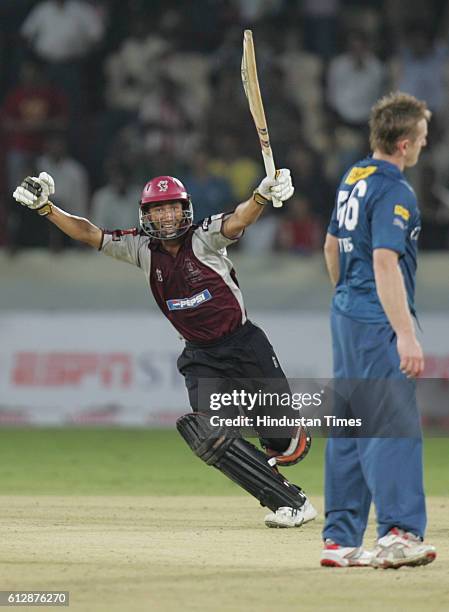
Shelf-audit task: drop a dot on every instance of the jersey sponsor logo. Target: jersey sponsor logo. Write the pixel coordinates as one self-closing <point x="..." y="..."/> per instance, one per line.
<point x="345" y="245"/>
<point x="401" y="211"/>
<point x="208" y="220"/>
<point x="192" y="302"/>
<point x="357" y="174"/>
<point x="400" y="223"/>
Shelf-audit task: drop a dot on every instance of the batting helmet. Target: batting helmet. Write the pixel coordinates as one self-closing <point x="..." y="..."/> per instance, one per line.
<point x="158" y="191"/>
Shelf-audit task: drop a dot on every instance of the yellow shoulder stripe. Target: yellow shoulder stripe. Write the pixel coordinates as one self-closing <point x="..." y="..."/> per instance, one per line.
<point x="402" y="212"/>
<point x="357" y="174"/>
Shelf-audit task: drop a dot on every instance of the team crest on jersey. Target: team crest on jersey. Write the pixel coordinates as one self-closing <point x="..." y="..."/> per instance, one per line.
<point x="159" y="275"/>
<point x="192" y="302"/>
<point x="163" y="186"/>
<point x="192" y="273"/>
<point x="357" y="174"/>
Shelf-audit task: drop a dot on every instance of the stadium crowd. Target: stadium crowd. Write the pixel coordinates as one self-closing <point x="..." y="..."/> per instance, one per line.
<point x="105" y="94"/>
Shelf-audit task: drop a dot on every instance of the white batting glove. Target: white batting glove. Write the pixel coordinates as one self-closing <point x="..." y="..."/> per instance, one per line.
<point x="280" y="187"/>
<point x="35" y="191"/>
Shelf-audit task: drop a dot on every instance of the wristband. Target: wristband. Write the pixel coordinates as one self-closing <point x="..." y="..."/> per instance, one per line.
<point x="45" y="210"/>
<point x="259" y="199"/>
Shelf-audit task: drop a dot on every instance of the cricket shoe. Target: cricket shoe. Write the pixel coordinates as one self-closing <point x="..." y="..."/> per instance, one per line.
<point x="400" y="548"/>
<point x="334" y="555"/>
<point x="285" y="516"/>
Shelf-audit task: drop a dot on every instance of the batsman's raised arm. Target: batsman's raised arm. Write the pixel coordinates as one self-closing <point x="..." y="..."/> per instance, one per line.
<point x="77" y="228"/>
<point x="248" y="212"/>
<point x="34" y="193"/>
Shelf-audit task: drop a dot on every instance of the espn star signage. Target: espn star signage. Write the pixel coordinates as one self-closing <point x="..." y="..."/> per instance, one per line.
<point x="120" y="369"/>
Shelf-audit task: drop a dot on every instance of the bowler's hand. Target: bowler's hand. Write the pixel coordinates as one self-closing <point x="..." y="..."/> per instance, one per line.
<point x="411" y="355"/>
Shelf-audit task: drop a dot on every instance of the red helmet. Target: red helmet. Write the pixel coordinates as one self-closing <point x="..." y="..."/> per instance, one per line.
<point x="159" y="190"/>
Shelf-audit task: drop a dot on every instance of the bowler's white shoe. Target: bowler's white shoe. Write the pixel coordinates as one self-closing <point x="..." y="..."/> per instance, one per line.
<point x="334" y="555"/>
<point x="291" y="517"/>
<point x="399" y="548"/>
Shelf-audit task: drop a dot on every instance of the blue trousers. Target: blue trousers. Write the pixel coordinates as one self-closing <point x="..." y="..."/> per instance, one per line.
<point x="384" y="470"/>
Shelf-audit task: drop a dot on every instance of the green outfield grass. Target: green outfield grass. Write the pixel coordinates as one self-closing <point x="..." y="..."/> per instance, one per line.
<point x="146" y="462"/>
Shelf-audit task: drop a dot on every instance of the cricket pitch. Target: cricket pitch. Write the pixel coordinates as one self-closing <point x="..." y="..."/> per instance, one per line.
<point x="198" y="553"/>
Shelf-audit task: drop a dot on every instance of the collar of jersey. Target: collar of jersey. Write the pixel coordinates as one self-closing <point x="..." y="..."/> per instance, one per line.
<point x="382" y="163"/>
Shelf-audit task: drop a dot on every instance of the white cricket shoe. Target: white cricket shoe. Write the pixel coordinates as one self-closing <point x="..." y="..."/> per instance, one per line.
<point x="399" y="548"/>
<point x="334" y="555"/>
<point x="285" y="516"/>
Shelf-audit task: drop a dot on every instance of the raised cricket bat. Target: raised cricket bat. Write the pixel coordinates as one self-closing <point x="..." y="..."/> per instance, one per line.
<point x="252" y="91"/>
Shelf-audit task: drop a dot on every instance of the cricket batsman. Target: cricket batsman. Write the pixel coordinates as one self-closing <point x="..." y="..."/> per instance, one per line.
<point x="371" y="257"/>
<point x="195" y="286"/>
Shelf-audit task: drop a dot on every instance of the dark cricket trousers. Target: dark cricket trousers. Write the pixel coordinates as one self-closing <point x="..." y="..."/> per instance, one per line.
<point x="243" y="359"/>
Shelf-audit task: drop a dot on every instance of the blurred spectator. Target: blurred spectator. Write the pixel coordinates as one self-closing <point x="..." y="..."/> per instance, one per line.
<point x="284" y="116"/>
<point x="396" y="13"/>
<point x="166" y="121"/>
<point x="190" y="71"/>
<point x="133" y="68"/>
<point x="62" y="30"/>
<point x="254" y="10"/>
<point x="72" y="187"/>
<point x="320" y="19"/>
<point x="304" y="80"/>
<point x="228" y="56"/>
<point x="62" y="33"/>
<point x="421" y="68"/>
<point x="434" y="198"/>
<point x="355" y="81"/>
<point x="260" y="238"/>
<point x="208" y="20"/>
<point x="241" y="171"/>
<point x="24" y="228"/>
<point x="300" y="231"/>
<point x="226" y="87"/>
<point x="116" y="204"/>
<point x="210" y="194"/>
<point x="30" y="111"/>
<point x="309" y="177"/>
<point x="164" y="78"/>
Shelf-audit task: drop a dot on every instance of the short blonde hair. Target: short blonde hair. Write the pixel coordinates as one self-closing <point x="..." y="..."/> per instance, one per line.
<point x="393" y="117"/>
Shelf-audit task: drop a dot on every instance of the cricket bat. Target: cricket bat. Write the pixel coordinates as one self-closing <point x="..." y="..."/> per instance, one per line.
<point x="252" y="91"/>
